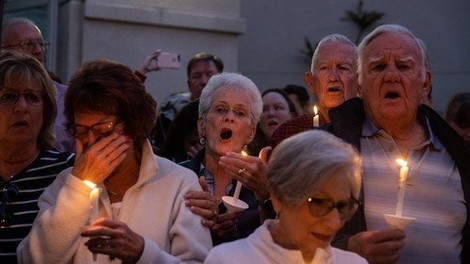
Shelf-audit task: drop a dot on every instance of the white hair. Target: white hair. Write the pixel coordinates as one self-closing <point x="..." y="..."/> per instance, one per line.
<point x="233" y="79"/>
<point x="385" y="29"/>
<point x="300" y="164"/>
<point x="333" y="38"/>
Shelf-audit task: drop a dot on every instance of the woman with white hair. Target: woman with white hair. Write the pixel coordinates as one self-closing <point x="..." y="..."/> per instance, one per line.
<point x="313" y="193"/>
<point x="229" y="110"/>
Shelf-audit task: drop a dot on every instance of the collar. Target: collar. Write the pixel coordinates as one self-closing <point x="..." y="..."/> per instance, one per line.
<point x="369" y="129"/>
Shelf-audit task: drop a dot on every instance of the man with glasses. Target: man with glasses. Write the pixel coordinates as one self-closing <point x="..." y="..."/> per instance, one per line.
<point x="22" y="35"/>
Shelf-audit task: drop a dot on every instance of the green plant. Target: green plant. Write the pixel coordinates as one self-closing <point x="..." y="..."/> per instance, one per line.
<point x="362" y="18"/>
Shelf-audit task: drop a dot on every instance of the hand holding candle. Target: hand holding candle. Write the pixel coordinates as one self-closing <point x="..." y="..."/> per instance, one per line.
<point x="398" y="220"/>
<point x="233" y="204"/>
<point x="316" y="117"/>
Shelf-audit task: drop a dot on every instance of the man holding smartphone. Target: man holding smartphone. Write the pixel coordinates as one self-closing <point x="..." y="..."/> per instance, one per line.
<point x="200" y="68"/>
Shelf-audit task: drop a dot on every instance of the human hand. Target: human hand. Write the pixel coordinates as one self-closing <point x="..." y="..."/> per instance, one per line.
<point x="97" y="161"/>
<point x="150" y="63"/>
<point x="203" y="203"/>
<point x="226" y="224"/>
<point x="194" y="149"/>
<point x="378" y="247"/>
<point x="249" y="170"/>
<point x="115" y="239"/>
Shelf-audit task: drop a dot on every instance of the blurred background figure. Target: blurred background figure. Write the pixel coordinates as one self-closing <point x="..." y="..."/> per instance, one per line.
<point x="201" y="67"/>
<point x="229" y="109"/>
<point x="182" y="140"/>
<point x="332" y="79"/>
<point x="28" y="160"/>
<point x="313" y="193"/>
<point x="277" y="109"/>
<point x="299" y="96"/>
<point x="138" y="214"/>
<point x="458" y="115"/>
<point x="22" y="35"/>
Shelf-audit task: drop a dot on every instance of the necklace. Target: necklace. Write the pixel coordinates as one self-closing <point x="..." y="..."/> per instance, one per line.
<point x="14" y="172"/>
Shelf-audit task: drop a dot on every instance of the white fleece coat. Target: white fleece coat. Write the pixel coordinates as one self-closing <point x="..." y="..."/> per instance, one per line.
<point x="154" y="208"/>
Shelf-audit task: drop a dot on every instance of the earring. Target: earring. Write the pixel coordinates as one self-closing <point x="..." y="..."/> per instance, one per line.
<point x="202" y="140"/>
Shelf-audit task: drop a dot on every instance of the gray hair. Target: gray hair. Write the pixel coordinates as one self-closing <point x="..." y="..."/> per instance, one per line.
<point x="12" y="23"/>
<point x="384" y="29"/>
<point x="301" y="164"/>
<point x="333" y="38"/>
<point x="233" y="79"/>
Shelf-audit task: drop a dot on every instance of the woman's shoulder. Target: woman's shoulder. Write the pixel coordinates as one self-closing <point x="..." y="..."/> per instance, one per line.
<point x="166" y="167"/>
<point x="54" y="160"/>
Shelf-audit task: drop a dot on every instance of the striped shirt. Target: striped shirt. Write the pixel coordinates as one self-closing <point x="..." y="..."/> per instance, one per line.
<point x="433" y="195"/>
<point x="31" y="182"/>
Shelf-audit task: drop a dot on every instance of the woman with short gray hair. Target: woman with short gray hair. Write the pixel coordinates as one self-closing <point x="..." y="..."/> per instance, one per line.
<point x="314" y="194"/>
<point x="229" y="110"/>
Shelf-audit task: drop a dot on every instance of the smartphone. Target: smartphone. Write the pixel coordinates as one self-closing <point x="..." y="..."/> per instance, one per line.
<point x="168" y="60"/>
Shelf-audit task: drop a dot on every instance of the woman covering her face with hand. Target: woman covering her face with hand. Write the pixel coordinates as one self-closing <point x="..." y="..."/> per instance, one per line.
<point x="229" y="109"/>
<point x="313" y="194"/>
<point x="138" y="215"/>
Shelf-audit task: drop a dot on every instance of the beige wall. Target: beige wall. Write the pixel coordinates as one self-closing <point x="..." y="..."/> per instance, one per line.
<point x="127" y="31"/>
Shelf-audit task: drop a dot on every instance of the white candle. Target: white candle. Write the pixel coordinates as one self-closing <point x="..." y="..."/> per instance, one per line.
<point x="236" y="194"/>
<point x="94" y="205"/>
<point x="316" y="117"/>
<point x="401" y="186"/>
<point x="238" y="187"/>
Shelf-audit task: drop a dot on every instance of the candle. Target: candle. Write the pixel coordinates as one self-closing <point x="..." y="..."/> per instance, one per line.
<point x="236" y="194"/>
<point x="401" y="186"/>
<point x="316" y="117"/>
<point x="238" y="187"/>
<point x="94" y="205"/>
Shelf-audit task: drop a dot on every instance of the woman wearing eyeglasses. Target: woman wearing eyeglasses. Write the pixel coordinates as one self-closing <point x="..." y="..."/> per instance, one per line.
<point x="313" y="194"/>
<point x="119" y="201"/>
<point x="28" y="160"/>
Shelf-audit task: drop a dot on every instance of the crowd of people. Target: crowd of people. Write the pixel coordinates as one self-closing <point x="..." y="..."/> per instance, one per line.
<point x="93" y="171"/>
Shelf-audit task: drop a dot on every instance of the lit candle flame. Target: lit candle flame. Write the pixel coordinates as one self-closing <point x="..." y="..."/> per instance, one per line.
<point x="402" y="162"/>
<point x="315" y="110"/>
<point x="401" y="186"/>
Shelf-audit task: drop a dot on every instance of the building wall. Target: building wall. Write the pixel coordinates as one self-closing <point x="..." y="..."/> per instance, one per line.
<point x="269" y="49"/>
<point x="260" y="39"/>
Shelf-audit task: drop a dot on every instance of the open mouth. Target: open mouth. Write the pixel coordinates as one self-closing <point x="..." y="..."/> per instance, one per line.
<point x="334" y="90"/>
<point x="272" y="123"/>
<point x="226" y="134"/>
<point x="20" y="123"/>
<point x="392" y="95"/>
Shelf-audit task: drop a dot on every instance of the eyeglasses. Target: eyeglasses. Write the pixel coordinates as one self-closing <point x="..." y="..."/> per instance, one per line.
<point x="102" y="129"/>
<point x="8" y="194"/>
<point x="321" y="206"/>
<point x="10" y="97"/>
<point x="30" y="45"/>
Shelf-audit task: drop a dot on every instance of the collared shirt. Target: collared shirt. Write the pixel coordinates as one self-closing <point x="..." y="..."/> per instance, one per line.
<point x="433" y="195"/>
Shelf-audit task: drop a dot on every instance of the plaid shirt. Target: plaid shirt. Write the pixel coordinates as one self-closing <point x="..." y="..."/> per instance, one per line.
<point x="294" y="126"/>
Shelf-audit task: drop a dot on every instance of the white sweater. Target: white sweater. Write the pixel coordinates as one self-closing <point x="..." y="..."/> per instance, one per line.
<point x="154" y="208"/>
<point x="259" y="248"/>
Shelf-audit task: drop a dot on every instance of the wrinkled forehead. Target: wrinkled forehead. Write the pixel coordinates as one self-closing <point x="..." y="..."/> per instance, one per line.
<point x="399" y="45"/>
<point x="336" y="51"/>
